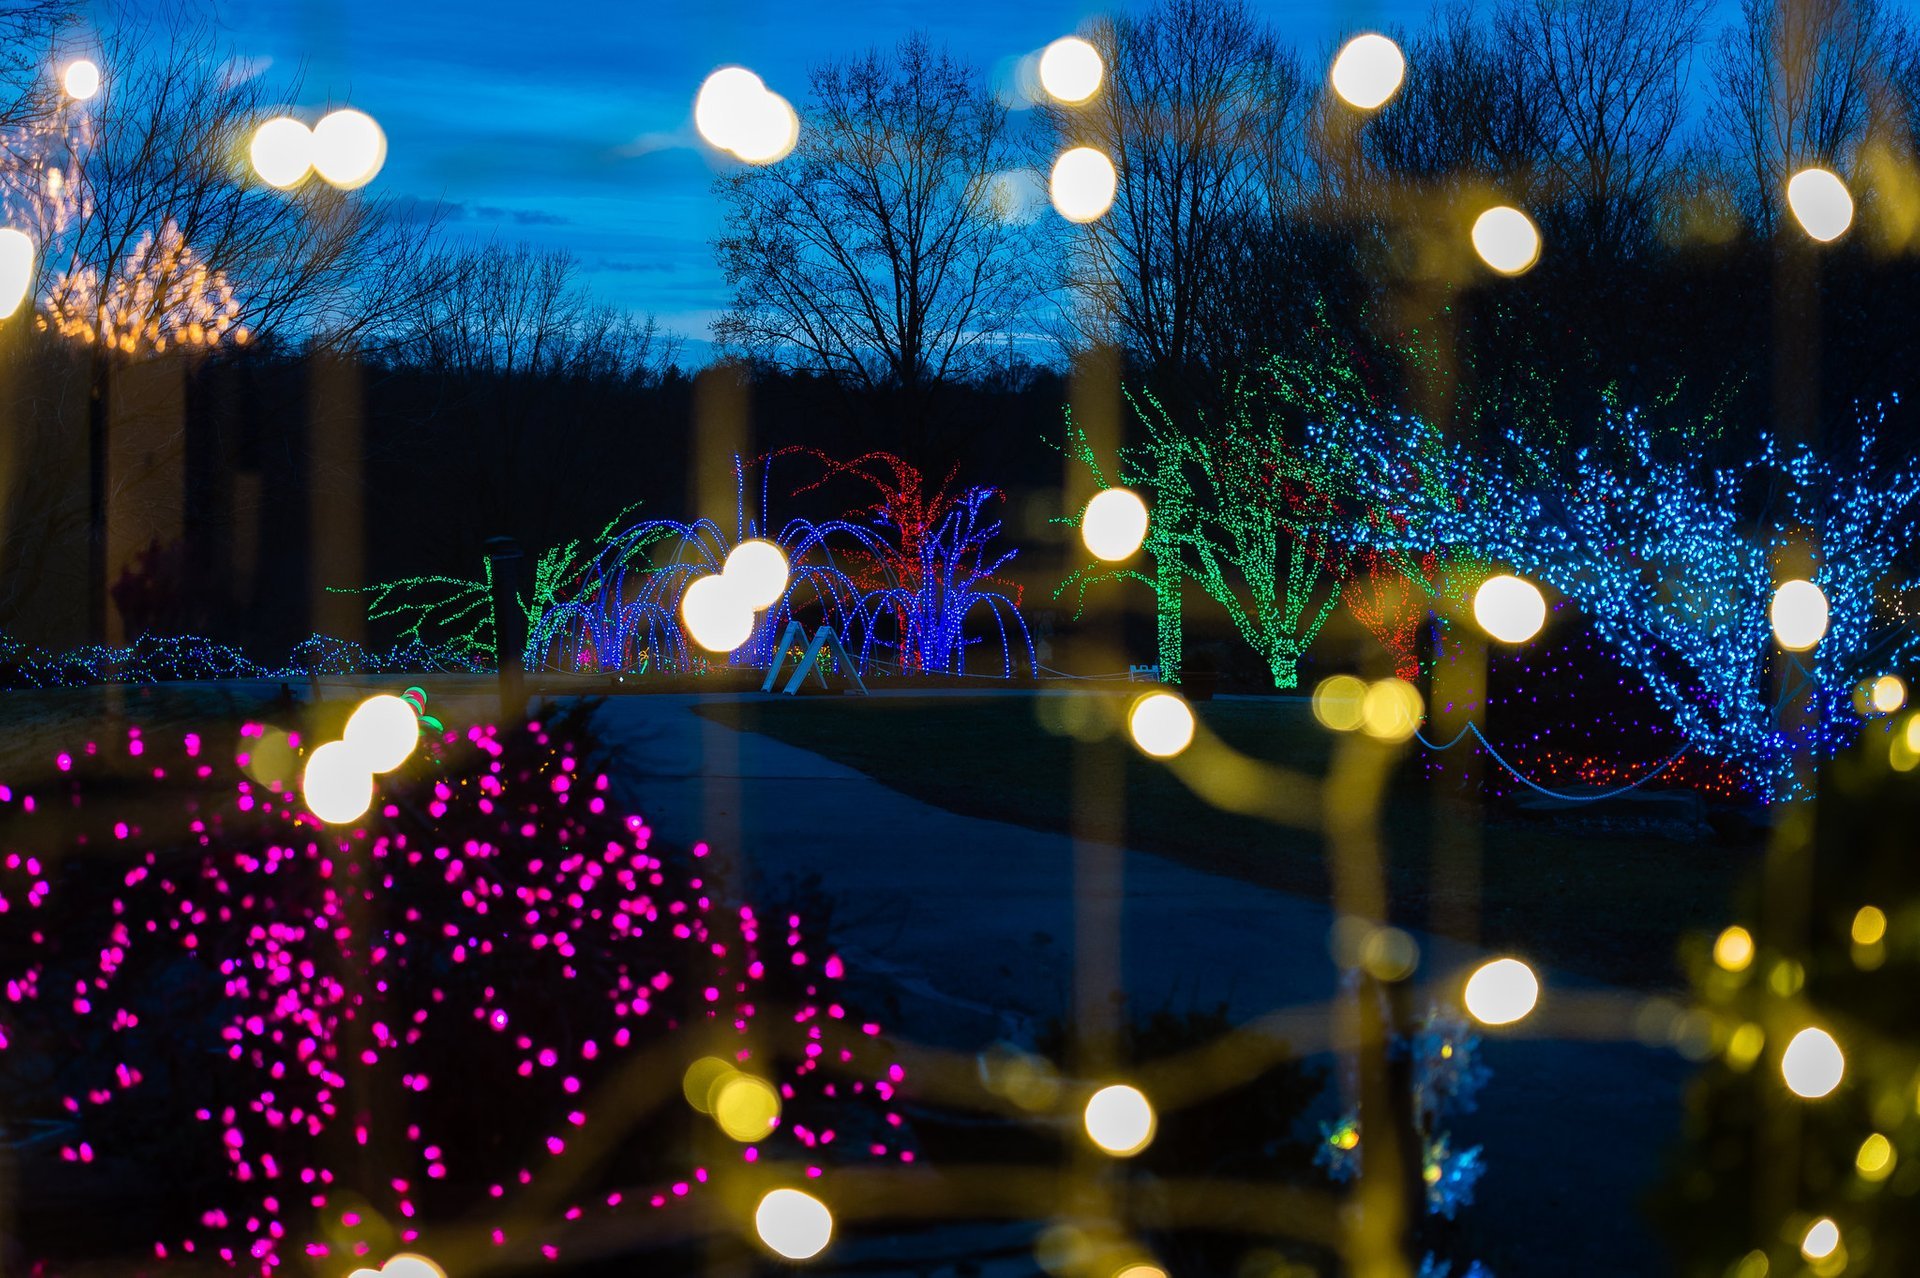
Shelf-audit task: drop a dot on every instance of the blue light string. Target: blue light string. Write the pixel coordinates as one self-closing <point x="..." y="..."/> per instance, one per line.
<point x="1498" y="758"/>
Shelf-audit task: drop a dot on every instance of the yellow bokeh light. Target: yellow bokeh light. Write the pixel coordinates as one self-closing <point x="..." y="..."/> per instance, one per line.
<point x="1161" y="724"/>
<point x="1119" y="1119"/>
<point x="1506" y="239"/>
<point x="746" y="1108"/>
<point x="1509" y="608"/>
<point x="715" y="615"/>
<point x="1745" y="1045"/>
<point x="1813" y="1064"/>
<point x="1875" y="1159"/>
<point x="1114" y="524"/>
<point x="1501" y="992"/>
<point x="383" y="731"/>
<point x="793" y="1224"/>
<point x="1070" y="70"/>
<point x="1869" y="925"/>
<point x="1889" y="693"/>
<point x="81" y="79"/>
<point x="1733" y="949"/>
<point x="1821" y="203"/>
<point x="16" y="269"/>
<point x="1137" y="1270"/>
<point x="1799" y="615"/>
<point x="1368" y="70"/>
<point x="337" y="784"/>
<point x="700" y="1080"/>
<point x="282" y="152"/>
<point x="1083" y="184"/>
<point x="1820" y="1240"/>
<point x="349" y="148"/>
<point x="1337" y="702"/>
<point x="757" y="571"/>
<point x="1391" y="710"/>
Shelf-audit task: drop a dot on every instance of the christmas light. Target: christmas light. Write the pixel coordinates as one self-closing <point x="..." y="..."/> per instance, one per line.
<point x="1391" y="710"/>
<point x="1119" y="1119"/>
<point x="1733" y="949"/>
<point x="1338" y="702"/>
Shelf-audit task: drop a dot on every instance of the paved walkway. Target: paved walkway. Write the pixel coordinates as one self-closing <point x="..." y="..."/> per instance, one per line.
<point x="972" y="921"/>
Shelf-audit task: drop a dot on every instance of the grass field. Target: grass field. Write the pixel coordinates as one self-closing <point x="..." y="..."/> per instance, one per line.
<point x="1607" y="905"/>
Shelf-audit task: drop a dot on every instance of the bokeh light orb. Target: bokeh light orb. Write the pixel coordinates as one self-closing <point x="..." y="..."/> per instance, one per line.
<point x="1821" y="1239"/>
<point x="715" y="615"/>
<point x="1888" y="694"/>
<point x="1813" y="1064"/>
<point x="793" y="1224"/>
<point x="1798" y="614"/>
<point x="349" y="148"/>
<point x="1733" y="949"/>
<point x="1083" y="184"/>
<point x="1875" y="1158"/>
<point x="1506" y="239"/>
<point x="700" y="1080"/>
<point x="1509" y="608"/>
<point x="1821" y="203"/>
<point x="1114" y="524"/>
<point x="736" y="112"/>
<point x="1391" y="710"/>
<point x="757" y="570"/>
<point x="337" y="784"/>
<point x="1368" y="70"/>
<point x="768" y="132"/>
<point x="1119" y="1119"/>
<point x="1338" y="701"/>
<point x="282" y="152"/>
<point x="16" y="269"/>
<point x="1161" y="724"/>
<point x="747" y="1108"/>
<point x="81" y="79"/>
<point x="1501" y="992"/>
<point x="1071" y="69"/>
<point x="409" y="1265"/>
<point x="383" y="731"/>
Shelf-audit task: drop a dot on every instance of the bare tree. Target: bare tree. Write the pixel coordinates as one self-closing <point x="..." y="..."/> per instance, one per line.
<point x="882" y="251"/>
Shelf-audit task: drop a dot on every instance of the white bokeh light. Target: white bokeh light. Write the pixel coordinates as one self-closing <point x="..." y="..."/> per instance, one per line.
<point x="337" y="784"/>
<point x="1798" y="614"/>
<point x="1119" y="1119"/>
<point x="1813" y="1064"/>
<point x="1114" y="524"/>
<point x="16" y="269"/>
<point x="282" y="152"/>
<point x="1509" y="608"/>
<point x="1821" y="203"/>
<point x="1368" y="70"/>
<point x="383" y="731"/>
<point x="736" y="112"/>
<point x="1083" y="184"/>
<point x="1071" y="70"/>
<point x="793" y="1224"/>
<point x="1161" y="724"/>
<point x="757" y="570"/>
<point x="81" y="79"/>
<point x="1506" y="239"/>
<point x="349" y="148"/>
<point x="716" y="617"/>
<point x="1501" y="992"/>
<point x="1821" y="1240"/>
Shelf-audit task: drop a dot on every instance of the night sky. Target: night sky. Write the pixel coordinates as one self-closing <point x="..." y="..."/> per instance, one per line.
<point x="570" y="123"/>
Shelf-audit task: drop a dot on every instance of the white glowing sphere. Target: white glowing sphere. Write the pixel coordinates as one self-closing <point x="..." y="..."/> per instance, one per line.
<point x="1083" y="184"/>
<point x="349" y="148"/>
<point x="1509" y="608"/>
<point x="1161" y="724"/>
<point x="1798" y="614"/>
<point x="769" y="132"/>
<point x="1889" y="693"/>
<point x="1820" y="203"/>
<point x="337" y="784"/>
<point x="16" y="269"/>
<point x="282" y="152"/>
<point x="1813" y="1064"/>
<point x="793" y="1224"/>
<point x="1506" y="239"/>
<point x="1070" y="70"/>
<point x="736" y="112"/>
<point x="716" y="617"/>
<point x="1368" y="70"/>
<point x="1114" y="523"/>
<point x="408" y="1265"/>
<point x="757" y="571"/>
<point x="81" y="79"/>
<point x="1501" y="992"/>
<point x="1119" y="1119"/>
<point x="383" y="731"/>
<point x="1821" y="1239"/>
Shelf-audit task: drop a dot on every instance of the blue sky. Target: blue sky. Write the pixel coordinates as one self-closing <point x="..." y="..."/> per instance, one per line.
<point x="570" y="123"/>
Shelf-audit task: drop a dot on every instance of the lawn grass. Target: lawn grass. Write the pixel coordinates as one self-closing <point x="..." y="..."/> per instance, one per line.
<point x="1609" y="906"/>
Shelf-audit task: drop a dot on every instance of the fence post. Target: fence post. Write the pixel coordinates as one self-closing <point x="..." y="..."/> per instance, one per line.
<point x="509" y="626"/>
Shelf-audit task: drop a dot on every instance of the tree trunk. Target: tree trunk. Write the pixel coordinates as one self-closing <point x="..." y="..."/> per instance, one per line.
<point x="1286" y="669"/>
<point x="1168" y="581"/>
<point x="96" y="585"/>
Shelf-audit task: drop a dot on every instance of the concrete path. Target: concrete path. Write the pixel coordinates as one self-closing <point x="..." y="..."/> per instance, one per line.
<point x="972" y="922"/>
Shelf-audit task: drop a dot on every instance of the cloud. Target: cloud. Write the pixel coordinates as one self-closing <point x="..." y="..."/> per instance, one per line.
<point x="520" y="217"/>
